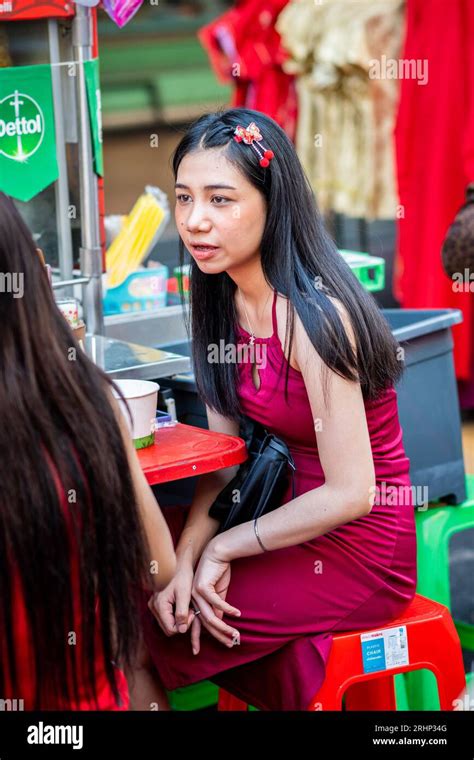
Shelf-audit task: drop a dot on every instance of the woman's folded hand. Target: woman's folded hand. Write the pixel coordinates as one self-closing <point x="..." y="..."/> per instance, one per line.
<point x="171" y="606"/>
<point x="209" y="591"/>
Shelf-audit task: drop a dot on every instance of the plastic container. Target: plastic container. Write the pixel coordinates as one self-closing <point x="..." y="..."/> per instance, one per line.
<point x="427" y="400"/>
<point x="174" y="295"/>
<point x="69" y="308"/>
<point x="369" y="270"/>
<point x="144" y="290"/>
<point x="142" y="398"/>
<point x="163" y="420"/>
<point x="182" y="271"/>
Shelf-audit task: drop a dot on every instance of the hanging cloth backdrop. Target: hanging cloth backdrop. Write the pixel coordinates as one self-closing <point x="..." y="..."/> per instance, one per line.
<point x="346" y="109"/>
<point x="435" y="158"/>
<point x="27" y="136"/>
<point x="245" y="50"/>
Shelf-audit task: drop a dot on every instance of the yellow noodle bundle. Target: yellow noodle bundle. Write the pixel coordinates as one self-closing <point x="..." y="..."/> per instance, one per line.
<point x="135" y="239"/>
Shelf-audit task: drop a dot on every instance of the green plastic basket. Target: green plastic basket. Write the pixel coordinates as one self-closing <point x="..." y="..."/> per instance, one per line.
<point x="369" y="270"/>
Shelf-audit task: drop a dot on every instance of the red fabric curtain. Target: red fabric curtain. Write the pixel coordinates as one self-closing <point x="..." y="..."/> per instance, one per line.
<point x="435" y="158"/>
<point x="245" y="50"/>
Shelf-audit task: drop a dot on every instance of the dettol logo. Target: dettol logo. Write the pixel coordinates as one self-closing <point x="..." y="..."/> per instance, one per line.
<point x="21" y="126"/>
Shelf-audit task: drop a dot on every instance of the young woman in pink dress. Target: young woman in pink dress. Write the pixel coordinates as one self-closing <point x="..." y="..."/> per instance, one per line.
<point x="254" y="608"/>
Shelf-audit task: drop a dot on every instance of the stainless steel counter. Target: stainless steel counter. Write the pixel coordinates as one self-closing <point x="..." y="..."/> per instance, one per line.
<point x="154" y="328"/>
<point x="120" y="359"/>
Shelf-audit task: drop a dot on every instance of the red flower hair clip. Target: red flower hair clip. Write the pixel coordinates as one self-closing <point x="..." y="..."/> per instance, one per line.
<point x="252" y="136"/>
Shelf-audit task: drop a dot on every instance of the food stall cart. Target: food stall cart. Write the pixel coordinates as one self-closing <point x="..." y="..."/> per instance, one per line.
<point x="56" y="176"/>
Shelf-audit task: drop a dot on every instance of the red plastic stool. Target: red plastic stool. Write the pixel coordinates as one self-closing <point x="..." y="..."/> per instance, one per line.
<point x="432" y="642"/>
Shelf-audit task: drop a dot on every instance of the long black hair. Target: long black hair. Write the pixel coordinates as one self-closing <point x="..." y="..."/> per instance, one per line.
<point x="68" y="511"/>
<point x="299" y="260"/>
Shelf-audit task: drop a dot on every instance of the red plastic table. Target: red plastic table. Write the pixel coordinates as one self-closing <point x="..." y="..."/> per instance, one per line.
<point x="182" y="451"/>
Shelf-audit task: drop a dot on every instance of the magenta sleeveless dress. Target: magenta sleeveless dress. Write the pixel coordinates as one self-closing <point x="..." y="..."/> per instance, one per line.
<point x="290" y="609"/>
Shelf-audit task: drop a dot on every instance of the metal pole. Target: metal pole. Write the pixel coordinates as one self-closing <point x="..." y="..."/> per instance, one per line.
<point x="67" y="283"/>
<point x="90" y="252"/>
<point x="63" y="224"/>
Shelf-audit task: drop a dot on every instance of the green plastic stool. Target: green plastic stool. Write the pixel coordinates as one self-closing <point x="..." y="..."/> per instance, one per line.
<point x="435" y="527"/>
<point x="197" y="696"/>
<point x="401" y="697"/>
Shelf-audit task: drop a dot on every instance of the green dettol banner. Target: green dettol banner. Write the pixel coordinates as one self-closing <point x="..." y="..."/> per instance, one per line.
<point x="95" y="110"/>
<point x="27" y="137"/>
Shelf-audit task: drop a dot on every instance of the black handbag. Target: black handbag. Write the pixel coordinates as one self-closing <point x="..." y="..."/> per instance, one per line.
<point x="261" y="480"/>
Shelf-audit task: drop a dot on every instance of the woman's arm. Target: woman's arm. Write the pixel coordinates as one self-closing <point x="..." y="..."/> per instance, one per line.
<point x="172" y="606"/>
<point x="346" y="458"/>
<point x="199" y="527"/>
<point x="161" y="552"/>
